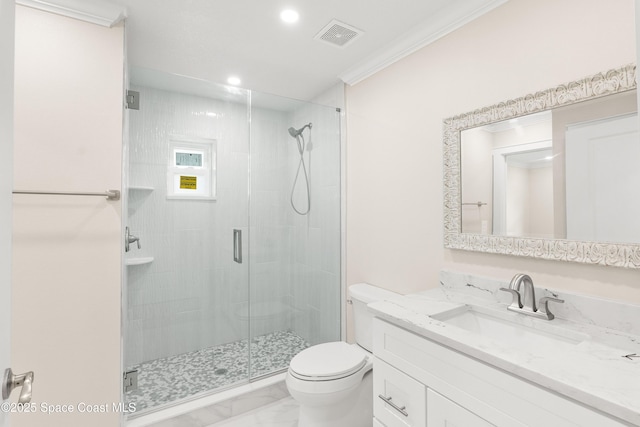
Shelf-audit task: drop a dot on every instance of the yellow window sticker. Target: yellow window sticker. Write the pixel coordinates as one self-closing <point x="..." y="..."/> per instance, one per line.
<point x="188" y="182"/>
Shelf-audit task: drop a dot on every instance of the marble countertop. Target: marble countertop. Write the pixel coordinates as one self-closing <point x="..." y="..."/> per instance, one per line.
<point x="594" y="372"/>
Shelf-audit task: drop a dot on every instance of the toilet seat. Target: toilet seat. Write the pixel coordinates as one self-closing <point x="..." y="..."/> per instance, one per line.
<point x="328" y="361"/>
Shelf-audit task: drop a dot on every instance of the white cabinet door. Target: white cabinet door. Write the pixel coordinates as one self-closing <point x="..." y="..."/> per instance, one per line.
<point x="441" y="412"/>
<point x="399" y="400"/>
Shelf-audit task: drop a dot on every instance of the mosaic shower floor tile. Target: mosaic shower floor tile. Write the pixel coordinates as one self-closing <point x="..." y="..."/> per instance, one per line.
<point x="169" y="379"/>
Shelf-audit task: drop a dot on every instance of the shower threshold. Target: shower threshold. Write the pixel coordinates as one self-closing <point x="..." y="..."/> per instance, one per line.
<point x="166" y="380"/>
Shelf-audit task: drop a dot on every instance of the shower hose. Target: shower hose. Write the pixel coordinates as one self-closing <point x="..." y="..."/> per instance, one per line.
<point x="303" y="166"/>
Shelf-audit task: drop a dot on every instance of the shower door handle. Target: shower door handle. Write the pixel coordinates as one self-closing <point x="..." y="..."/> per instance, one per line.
<point x="237" y="246"/>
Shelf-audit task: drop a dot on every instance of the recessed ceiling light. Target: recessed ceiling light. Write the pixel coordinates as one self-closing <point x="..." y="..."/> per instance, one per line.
<point x="289" y="16"/>
<point x="233" y="80"/>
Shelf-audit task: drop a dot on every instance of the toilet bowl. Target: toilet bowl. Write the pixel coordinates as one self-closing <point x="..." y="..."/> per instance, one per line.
<point x="333" y="382"/>
<point x="329" y="382"/>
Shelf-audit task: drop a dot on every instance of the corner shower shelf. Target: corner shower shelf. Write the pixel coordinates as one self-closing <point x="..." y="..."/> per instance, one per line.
<point x="138" y="261"/>
<point x="140" y="188"/>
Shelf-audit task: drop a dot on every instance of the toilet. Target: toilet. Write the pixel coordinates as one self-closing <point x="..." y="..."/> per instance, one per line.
<point x="333" y="382"/>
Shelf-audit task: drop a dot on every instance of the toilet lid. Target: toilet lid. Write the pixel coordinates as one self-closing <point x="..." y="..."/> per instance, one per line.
<point x="333" y="359"/>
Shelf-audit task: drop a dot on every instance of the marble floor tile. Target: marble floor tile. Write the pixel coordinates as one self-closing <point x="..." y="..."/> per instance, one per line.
<point x="283" y="413"/>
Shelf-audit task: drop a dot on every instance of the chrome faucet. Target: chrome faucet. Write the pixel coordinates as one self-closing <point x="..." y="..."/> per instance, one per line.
<point x="130" y="238"/>
<point x="525" y="301"/>
<point x="528" y="294"/>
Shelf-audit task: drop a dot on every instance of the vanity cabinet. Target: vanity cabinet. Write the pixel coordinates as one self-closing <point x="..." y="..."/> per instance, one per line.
<point x="438" y="387"/>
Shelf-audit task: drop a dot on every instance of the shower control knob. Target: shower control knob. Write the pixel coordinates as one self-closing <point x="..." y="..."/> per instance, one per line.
<point x="129" y="238"/>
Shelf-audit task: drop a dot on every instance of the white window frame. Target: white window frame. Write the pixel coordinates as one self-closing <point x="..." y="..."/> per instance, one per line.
<point x="205" y="174"/>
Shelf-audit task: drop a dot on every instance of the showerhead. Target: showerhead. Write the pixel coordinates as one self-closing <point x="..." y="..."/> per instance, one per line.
<point x="297" y="132"/>
<point x="293" y="132"/>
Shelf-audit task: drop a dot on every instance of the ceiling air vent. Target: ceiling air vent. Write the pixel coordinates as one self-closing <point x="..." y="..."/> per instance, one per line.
<point x="338" y="34"/>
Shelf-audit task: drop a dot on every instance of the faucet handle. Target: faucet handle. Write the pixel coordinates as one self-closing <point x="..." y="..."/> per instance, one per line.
<point x="544" y="306"/>
<point x="129" y="238"/>
<point x="516" y="301"/>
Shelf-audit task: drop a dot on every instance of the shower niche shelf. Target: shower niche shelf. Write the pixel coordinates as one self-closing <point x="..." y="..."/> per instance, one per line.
<point x="140" y="188"/>
<point x="139" y="260"/>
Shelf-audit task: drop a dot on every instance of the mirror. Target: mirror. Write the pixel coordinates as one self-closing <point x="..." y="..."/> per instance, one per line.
<point x="548" y="175"/>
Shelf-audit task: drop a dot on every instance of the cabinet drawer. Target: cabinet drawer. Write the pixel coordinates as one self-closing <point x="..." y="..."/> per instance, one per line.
<point x="442" y="413"/>
<point x="399" y="400"/>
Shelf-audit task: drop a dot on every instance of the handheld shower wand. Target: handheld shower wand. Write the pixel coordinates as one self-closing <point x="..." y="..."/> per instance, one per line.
<point x="297" y="134"/>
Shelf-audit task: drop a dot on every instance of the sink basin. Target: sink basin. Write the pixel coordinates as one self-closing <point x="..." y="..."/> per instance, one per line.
<point x="511" y="328"/>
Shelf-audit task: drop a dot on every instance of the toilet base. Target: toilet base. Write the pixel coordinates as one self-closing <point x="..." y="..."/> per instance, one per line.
<point x="354" y="410"/>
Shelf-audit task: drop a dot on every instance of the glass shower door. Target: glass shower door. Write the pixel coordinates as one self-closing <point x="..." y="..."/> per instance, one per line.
<point x="187" y="318"/>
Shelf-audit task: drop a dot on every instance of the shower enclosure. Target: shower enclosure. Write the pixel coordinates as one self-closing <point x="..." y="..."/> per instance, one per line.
<point x="225" y="282"/>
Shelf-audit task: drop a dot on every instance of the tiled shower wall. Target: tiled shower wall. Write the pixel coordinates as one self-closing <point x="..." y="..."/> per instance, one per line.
<point x="189" y="297"/>
<point x="295" y="268"/>
<point x="194" y="295"/>
<point x="269" y="243"/>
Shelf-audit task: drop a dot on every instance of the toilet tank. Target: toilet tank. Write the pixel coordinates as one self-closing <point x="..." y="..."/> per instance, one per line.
<point x="362" y="294"/>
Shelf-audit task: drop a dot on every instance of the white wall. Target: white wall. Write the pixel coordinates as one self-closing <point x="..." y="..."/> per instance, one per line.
<point x="67" y="249"/>
<point x="394" y="157"/>
<point x="6" y="178"/>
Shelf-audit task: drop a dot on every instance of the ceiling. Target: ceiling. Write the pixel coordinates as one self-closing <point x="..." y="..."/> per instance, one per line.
<point x="213" y="39"/>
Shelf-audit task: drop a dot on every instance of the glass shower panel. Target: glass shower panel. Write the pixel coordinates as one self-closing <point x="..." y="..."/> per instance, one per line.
<point x="294" y="229"/>
<point x="187" y="318"/>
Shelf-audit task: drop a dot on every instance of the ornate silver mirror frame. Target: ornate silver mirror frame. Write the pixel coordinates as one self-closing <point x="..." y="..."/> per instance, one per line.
<point x="612" y="254"/>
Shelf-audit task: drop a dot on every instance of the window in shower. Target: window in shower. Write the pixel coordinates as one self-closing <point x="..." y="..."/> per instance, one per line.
<point x="191" y="173"/>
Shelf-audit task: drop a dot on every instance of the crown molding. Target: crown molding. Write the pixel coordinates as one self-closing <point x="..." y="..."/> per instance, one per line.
<point x="438" y="26"/>
<point x="95" y="11"/>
